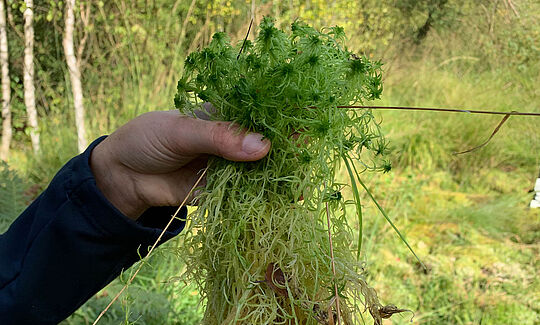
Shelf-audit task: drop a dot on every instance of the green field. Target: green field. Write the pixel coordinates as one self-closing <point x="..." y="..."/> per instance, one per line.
<point x="466" y="216"/>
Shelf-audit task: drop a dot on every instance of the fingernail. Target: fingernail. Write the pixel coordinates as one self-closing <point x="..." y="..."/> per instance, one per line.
<point x="253" y="142"/>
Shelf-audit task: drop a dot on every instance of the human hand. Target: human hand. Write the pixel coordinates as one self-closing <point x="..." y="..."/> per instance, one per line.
<point x="154" y="159"/>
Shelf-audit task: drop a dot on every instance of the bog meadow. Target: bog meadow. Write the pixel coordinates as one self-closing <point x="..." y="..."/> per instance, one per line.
<point x="466" y="216"/>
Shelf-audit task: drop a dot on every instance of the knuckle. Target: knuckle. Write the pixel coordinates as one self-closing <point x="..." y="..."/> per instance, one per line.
<point x="222" y="138"/>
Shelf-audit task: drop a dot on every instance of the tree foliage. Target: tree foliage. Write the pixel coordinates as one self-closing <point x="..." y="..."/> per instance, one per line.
<point x="133" y="51"/>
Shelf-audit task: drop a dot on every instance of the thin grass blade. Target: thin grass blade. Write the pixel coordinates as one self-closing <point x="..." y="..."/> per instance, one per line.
<point x="388" y="218"/>
<point x="357" y="202"/>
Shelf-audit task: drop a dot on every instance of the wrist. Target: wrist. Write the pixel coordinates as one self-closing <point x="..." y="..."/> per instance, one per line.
<point x="115" y="183"/>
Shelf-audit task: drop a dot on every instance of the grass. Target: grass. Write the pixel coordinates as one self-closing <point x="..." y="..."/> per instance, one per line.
<point x="476" y="272"/>
<point x="466" y="216"/>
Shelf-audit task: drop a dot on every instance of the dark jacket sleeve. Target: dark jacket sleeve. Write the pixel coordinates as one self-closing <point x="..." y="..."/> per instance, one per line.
<point x="68" y="244"/>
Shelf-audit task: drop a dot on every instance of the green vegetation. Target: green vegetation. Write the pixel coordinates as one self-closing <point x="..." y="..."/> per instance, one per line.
<point x="465" y="216"/>
<point x="12" y="192"/>
<point x="256" y="219"/>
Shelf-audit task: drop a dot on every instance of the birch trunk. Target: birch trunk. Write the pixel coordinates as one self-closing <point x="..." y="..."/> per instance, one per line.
<point x="6" y="86"/>
<point x="29" y="90"/>
<point x="75" y="75"/>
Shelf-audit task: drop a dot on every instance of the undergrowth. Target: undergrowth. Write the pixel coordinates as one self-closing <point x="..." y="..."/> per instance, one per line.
<point x="157" y="296"/>
<point x="480" y="249"/>
<point x="12" y="193"/>
<point x="465" y="215"/>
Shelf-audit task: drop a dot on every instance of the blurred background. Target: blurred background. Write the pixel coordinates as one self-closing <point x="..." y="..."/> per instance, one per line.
<point x="466" y="216"/>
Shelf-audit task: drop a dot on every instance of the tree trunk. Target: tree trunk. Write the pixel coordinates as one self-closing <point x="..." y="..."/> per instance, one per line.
<point x="29" y="90"/>
<point x="6" y="86"/>
<point x="75" y="75"/>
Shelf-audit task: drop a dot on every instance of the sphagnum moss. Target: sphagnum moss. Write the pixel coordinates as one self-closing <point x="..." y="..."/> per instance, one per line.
<point x="258" y="246"/>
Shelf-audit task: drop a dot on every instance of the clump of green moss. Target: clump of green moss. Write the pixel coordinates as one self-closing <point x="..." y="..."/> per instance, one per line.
<point x="258" y="245"/>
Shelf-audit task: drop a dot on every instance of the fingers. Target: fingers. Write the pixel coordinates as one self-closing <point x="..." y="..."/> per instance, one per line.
<point x="222" y="139"/>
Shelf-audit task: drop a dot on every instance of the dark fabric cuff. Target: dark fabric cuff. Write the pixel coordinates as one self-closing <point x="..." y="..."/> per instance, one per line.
<point x="108" y="218"/>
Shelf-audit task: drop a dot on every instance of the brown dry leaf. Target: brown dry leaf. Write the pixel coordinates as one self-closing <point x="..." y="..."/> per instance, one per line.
<point x="276" y="280"/>
<point x="274" y="275"/>
<point x="389" y="310"/>
<point x="378" y="313"/>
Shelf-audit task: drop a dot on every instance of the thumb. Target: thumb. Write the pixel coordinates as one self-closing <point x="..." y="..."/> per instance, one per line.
<point x="222" y="139"/>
